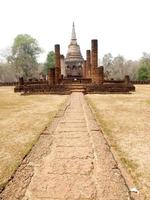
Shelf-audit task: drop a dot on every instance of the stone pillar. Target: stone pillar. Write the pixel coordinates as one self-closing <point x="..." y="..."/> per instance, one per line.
<point x="51" y="76"/>
<point x="94" y="54"/>
<point x="62" y="62"/>
<point x="57" y="64"/>
<point x="88" y="63"/>
<point x="101" y="75"/>
<point x="128" y="84"/>
<point x="21" y="81"/>
<point x="94" y="58"/>
<point x="126" y="80"/>
<point x="84" y="69"/>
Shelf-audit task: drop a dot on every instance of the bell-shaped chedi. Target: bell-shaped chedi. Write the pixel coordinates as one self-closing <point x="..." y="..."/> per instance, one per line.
<point x="74" y="59"/>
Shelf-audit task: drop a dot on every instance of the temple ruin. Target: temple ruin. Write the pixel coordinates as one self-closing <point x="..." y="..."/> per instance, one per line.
<point x="74" y="73"/>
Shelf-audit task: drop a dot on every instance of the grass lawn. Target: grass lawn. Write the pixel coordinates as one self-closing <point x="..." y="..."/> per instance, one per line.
<point x="125" y="120"/>
<point x="22" y="119"/>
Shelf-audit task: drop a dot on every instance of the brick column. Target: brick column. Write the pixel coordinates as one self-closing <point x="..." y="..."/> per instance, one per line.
<point x="57" y="64"/>
<point x="84" y="69"/>
<point x="51" y="76"/>
<point x="126" y="80"/>
<point x="94" y="58"/>
<point x="88" y="63"/>
<point x="101" y="75"/>
<point x="62" y="62"/>
<point x="21" y="81"/>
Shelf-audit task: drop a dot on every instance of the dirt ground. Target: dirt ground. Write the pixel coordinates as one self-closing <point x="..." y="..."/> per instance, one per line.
<point x="125" y="120"/>
<point x="70" y="161"/>
<point x="22" y="119"/>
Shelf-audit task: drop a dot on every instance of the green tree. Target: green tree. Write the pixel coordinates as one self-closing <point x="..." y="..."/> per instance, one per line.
<point x="144" y="70"/>
<point x="143" y="73"/>
<point x="50" y="62"/>
<point x="24" y="54"/>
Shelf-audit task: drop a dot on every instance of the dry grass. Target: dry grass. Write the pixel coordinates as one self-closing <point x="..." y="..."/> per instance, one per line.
<point x="125" y="120"/>
<point x="22" y="119"/>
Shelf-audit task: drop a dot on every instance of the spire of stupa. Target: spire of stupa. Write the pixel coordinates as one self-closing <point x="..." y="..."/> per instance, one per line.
<point x="74" y="53"/>
<point x="73" y="35"/>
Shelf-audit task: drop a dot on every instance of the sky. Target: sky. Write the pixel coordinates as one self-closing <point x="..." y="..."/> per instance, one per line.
<point x="121" y="26"/>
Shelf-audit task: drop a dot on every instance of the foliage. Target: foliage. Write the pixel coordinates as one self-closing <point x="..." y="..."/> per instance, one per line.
<point x="50" y="62"/>
<point x="114" y="67"/>
<point x="108" y="65"/>
<point x="117" y="67"/>
<point x="25" y="50"/>
<point x="107" y="60"/>
<point x="143" y="73"/>
<point x="7" y="73"/>
<point x="144" y="70"/>
<point x="118" y="63"/>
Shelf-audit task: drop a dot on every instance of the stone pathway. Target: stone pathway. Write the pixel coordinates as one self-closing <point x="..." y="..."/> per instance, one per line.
<point x="79" y="165"/>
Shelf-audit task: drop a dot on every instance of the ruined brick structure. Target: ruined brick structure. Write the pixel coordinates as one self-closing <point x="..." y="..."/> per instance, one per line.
<point x="57" y="64"/>
<point x="84" y="69"/>
<point x="88" y="63"/>
<point x="73" y="73"/>
<point x="51" y="76"/>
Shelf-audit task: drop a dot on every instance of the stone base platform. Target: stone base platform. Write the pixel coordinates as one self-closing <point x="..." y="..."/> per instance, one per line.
<point x="67" y="86"/>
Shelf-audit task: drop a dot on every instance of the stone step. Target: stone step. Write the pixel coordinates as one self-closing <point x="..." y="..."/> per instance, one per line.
<point x="75" y="85"/>
<point x="77" y="90"/>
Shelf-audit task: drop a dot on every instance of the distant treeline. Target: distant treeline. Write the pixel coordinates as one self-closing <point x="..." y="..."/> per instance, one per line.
<point x="118" y="67"/>
<point x="21" y="60"/>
